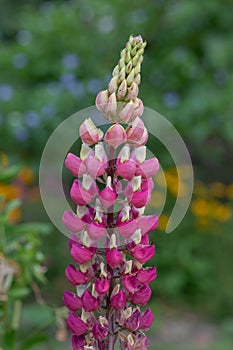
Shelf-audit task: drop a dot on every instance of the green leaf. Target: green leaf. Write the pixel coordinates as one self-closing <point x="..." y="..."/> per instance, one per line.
<point x="19" y="292"/>
<point x="29" y="344"/>
<point x="10" y="173"/>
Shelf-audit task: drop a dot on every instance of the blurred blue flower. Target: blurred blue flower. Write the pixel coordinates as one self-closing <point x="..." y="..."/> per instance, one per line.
<point x="6" y="92"/>
<point x="171" y="99"/>
<point x="48" y="111"/>
<point x="106" y="24"/>
<point x="21" y="133"/>
<point x="68" y="80"/>
<point x="94" y="85"/>
<point x="70" y="60"/>
<point x="24" y="37"/>
<point x="19" y="60"/>
<point x="138" y="16"/>
<point x="32" y="119"/>
<point x="77" y="89"/>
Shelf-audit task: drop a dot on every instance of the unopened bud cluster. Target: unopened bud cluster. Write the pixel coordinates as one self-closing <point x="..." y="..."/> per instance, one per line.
<point x="123" y="87"/>
<point x="109" y="232"/>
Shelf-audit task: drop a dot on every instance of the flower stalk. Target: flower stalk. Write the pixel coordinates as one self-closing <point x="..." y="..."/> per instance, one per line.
<point x="109" y="232"/>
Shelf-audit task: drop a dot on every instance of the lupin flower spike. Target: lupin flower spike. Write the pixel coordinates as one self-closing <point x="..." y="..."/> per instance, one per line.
<point x="109" y="232"/>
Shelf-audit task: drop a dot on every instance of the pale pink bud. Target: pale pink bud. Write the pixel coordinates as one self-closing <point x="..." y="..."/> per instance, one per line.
<point x="75" y="165"/>
<point x="130" y="283"/>
<point x="115" y="135"/>
<point x="72" y="222"/>
<point x="95" y="231"/>
<point x="135" y="130"/>
<point x="78" y="342"/>
<point x="132" y="323"/>
<point x="138" y="107"/>
<point x="114" y="258"/>
<point x="80" y="254"/>
<point x="76" y="325"/>
<point x="121" y="92"/>
<point x="89" y="132"/>
<point x="102" y="286"/>
<point x="141" y="296"/>
<point x="102" y="100"/>
<point x="79" y="195"/>
<point x="90" y="303"/>
<point x="143" y="253"/>
<point x="127" y="112"/>
<point x="127" y="228"/>
<point x="75" y="277"/>
<point x="132" y="91"/>
<point x="139" y="154"/>
<point x="146" y="320"/>
<point x="147" y="223"/>
<point x="118" y="300"/>
<point x="148" y="168"/>
<point x="112" y="104"/>
<point x="113" y="84"/>
<point x="147" y="275"/>
<point x="143" y="139"/>
<point x="72" y="301"/>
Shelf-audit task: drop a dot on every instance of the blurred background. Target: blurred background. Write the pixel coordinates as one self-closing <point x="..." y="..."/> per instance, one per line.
<point x="54" y="58"/>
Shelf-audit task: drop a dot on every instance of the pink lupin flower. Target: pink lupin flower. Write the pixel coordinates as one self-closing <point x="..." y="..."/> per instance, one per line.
<point x="90" y="303"/>
<point x="127" y="228"/>
<point x="115" y="135"/>
<point x="72" y="301"/>
<point x="143" y="253"/>
<point x="79" y="194"/>
<point x="135" y="131"/>
<point x="127" y="113"/>
<point x="147" y="275"/>
<point x="132" y="91"/>
<point x="75" y="165"/>
<point x="111" y="105"/>
<point x="74" y="276"/>
<point x="108" y="195"/>
<point x="148" y="168"/>
<point x="102" y="100"/>
<point x="76" y="324"/>
<point x="72" y="222"/>
<point x="126" y="167"/>
<point x="89" y="132"/>
<point x="130" y="283"/>
<point x="80" y="254"/>
<point x="102" y="285"/>
<point x="146" y="320"/>
<point x="133" y="321"/>
<point x="114" y="257"/>
<point x="78" y="342"/>
<point x="118" y="298"/>
<point x="97" y="163"/>
<point x="101" y="328"/>
<point x="140" y="198"/>
<point x="147" y="223"/>
<point x="96" y="231"/>
<point x="141" y="296"/>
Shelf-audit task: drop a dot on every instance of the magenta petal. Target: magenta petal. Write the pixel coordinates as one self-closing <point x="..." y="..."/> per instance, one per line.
<point x="142" y="296"/>
<point x="126" y="169"/>
<point x="143" y="253"/>
<point x="80" y="254"/>
<point x="79" y="195"/>
<point x="148" y="168"/>
<point x="147" y="223"/>
<point x="127" y="228"/>
<point x="102" y="286"/>
<point x="95" y="231"/>
<point x="130" y="283"/>
<point x="132" y="323"/>
<point x="113" y="258"/>
<point x="107" y="197"/>
<point x="118" y="301"/>
<point x="78" y="342"/>
<point x="75" y="165"/>
<point x="90" y="303"/>
<point x="147" y="275"/>
<point x="72" y="301"/>
<point x="72" y="222"/>
<point x="140" y="198"/>
<point x="100" y="332"/>
<point x="76" y="325"/>
<point x="146" y="320"/>
<point x="75" y="277"/>
<point x="95" y="167"/>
